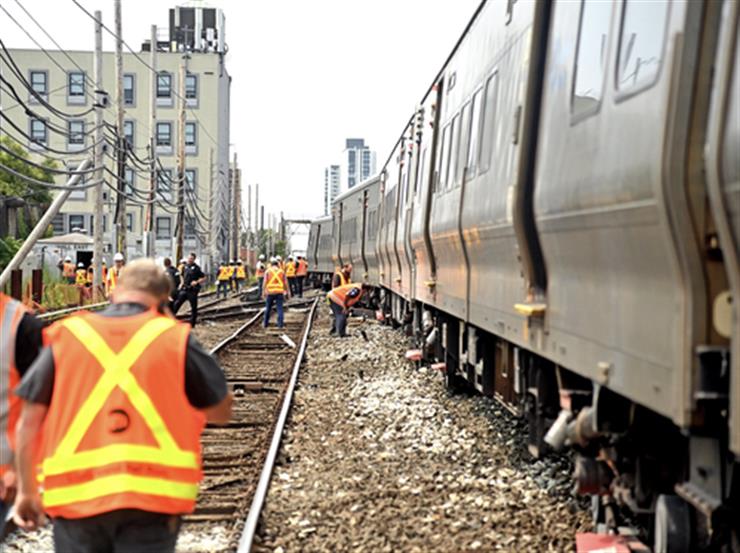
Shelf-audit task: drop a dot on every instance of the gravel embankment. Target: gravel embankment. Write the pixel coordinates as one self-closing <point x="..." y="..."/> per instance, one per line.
<point x="378" y="457"/>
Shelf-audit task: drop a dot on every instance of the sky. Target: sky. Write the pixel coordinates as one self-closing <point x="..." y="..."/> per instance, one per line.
<point x="306" y="75"/>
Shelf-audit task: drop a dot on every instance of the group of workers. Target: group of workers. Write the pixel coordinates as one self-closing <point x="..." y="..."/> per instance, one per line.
<point x="278" y="282"/>
<point x="295" y="269"/>
<point x="231" y="277"/>
<point x="82" y="276"/>
<point x="101" y="416"/>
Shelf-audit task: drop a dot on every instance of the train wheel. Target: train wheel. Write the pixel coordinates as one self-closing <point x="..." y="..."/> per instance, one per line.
<point x="672" y="525"/>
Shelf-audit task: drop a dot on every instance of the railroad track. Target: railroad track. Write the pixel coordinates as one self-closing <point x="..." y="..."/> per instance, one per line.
<point x="261" y="366"/>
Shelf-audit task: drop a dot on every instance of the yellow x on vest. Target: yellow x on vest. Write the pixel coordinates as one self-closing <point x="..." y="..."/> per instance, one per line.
<point x="117" y="368"/>
<point x="276" y="281"/>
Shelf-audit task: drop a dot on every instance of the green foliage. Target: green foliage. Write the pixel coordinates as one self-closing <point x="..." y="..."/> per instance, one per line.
<point x="11" y="185"/>
<point x="8" y="247"/>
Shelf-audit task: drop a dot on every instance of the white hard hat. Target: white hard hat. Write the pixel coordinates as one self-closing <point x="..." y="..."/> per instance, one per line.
<point x="278" y="257"/>
<point x="183" y="260"/>
<point x="103" y="262"/>
<point x="67" y="258"/>
<point x="273" y="260"/>
<point x="118" y="257"/>
<point x="261" y="257"/>
<point x="81" y="265"/>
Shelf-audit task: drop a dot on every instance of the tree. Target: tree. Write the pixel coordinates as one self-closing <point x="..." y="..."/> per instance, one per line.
<point x="11" y="185"/>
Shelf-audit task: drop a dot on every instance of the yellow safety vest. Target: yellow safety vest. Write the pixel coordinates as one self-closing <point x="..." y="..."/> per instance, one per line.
<point x="240" y="272"/>
<point x="290" y="270"/>
<point x="275" y="279"/>
<point x="343" y="279"/>
<point x="223" y="273"/>
<point x="81" y="277"/>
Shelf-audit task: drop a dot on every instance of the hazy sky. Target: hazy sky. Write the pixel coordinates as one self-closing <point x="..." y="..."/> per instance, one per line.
<point x="306" y="75"/>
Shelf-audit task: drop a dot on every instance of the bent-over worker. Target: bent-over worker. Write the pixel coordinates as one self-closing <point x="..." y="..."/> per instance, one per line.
<point x="341" y="299"/>
<point x="119" y="400"/>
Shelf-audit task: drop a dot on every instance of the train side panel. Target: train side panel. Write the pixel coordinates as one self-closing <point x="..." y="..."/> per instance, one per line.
<point x="371" y="197"/>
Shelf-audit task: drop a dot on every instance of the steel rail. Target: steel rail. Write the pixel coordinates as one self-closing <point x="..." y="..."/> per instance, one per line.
<point x="250" y="525"/>
<point x="238" y="332"/>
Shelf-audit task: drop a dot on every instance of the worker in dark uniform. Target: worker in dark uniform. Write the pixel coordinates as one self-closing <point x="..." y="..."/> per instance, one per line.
<point x="192" y="278"/>
<point x="135" y="388"/>
<point x="175" y="280"/>
<point x="20" y="342"/>
<point x="341" y="299"/>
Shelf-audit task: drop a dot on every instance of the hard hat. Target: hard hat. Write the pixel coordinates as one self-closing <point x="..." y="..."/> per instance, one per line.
<point x="183" y="260"/>
<point x="273" y="260"/>
<point x="67" y="258"/>
<point x="261" y="257"/>
<point x="353" y="293"/>
<point x="81" y="265"/>
<point x="278" y="258"/>
<point x="118" y="257"/>
<point x="103" y="262"/>
<point x="290" y="257"/>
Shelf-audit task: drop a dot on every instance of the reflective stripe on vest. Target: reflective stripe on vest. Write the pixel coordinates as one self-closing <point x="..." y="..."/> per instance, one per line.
<point x="275" y="281"/>
<point x="81" y="276"/>
<point x="240" y="272"/>
<point x="343" y="280"/>
<point x="290" y="270"/>
<point x="112" y="278"/>
<point x="11" y="313"/>
<point x="81" y="483"/>
<point x="302" y="268"/>
<point x="223" y="273"/>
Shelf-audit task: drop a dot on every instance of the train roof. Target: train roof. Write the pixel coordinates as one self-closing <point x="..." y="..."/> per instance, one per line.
<point x="364" y="184"/>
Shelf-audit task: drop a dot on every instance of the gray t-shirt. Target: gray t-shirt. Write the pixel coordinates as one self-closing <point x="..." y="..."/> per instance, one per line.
<point x="205" y="383"/>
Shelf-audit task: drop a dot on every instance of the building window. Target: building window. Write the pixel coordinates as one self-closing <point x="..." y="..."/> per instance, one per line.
<point x="40" y="83"/>
<point x="129" y="89"/>
<point x="164" y="136"/>
<point x="128" y="132"/>
<point x="163" y="228"/>
<point x="164" y="183"/>
<point x="191" y="138"/>
<point x="191" y="181"/>
<point x="75" y="134"/>
<point x="164" y="85"/>
<point x="39" y="132"/>
<point x="590" y="63"/>
<point x="191" y="88"/>
<point x="189" y="227"/>
<point x="130" y="222"/>
<point x="76" y="87"/>
<point x="129" y="178"/>
<point x="76" y="223"/>
<point x="641" y="43"/>
<point x="57" y="223"/>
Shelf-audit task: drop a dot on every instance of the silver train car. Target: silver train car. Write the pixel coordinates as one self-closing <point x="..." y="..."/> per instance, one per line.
<point x="559" y="224"/>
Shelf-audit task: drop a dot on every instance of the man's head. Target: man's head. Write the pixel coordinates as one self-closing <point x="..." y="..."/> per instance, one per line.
<point x="142" y="281"/>
<point x="191" y="258"/>
<point x="68" y="259"/>
<point x="347" y="268"/>
<point x="167" y="262"/>
<point x="262" y="257"/>
<point x="118" y="260"/>
<point x="274" y="260"/>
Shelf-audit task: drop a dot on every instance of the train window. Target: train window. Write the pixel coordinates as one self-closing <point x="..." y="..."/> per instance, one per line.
<point x="641" y="43"/>
<point x="489" y="123"/>
<point x="475" y="129"/>
<point x="422" y="171"/>
<point x="590" y="62"/>
<point x="454" y="145"/>
<point x="443" y="159"/>
<point x="462" y="151"/>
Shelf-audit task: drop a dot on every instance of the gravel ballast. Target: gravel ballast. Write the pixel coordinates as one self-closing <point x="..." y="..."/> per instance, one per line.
<point x="379" y="457"/>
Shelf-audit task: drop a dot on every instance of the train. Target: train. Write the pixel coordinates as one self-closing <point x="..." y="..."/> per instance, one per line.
<point x="557" y="227"/>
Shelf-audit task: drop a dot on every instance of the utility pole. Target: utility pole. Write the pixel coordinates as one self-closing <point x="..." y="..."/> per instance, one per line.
<point x="121" y="154"/>
<point x="262" y="226"/>
<point x="236" y="211"/>
<point x="249" y="220"/>
<point x="212" y="228"/>
<point x="180" y="224"/>
<point x="98" y="194"/>
<point x="149" y="249"/>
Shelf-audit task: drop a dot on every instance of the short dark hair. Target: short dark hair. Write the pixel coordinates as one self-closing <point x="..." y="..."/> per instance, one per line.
<point x="192" y="254"/>
<point x="167" y="262"/>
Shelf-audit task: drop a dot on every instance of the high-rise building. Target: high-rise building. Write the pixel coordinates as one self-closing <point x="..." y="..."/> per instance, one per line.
<point x="331" y="186"/>
<point x="358" y="162"/>
<point x="66" y="82"/>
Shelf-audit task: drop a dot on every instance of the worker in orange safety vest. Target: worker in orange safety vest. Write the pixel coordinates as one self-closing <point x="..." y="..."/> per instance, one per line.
<point x="300" y="275"/>
<point x="274" y="292"/>
<point x="342" y="276"/>
<point x="290" y="273"/>
<point x="20" y="341"/>
<point x="68" y="270"/>
<point x="114" y="273"/>
<point x="259" y="272"/>
<point x="119" y="400"/>
<point x="341" y="299"/>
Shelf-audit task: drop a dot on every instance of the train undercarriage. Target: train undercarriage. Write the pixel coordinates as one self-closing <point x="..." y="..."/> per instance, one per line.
<point x="676" y="490"/>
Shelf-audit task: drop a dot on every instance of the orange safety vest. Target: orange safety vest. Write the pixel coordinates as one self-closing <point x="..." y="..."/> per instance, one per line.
<point x="260" y="270"/>
<point x="343" y="280"/>
<point x="290" y="269"/>
<point x="302" y="268"/>
<point x="120" y="432"/>
<point x="81" y="277"/>
<point x="338" y="295"/>
<point x="240" y="272"/>
<point x="223" y="273"/>
<point x="275" y="279"/>
<point x="11" y="313"/>
<point x="112" y="278"/>
<point x="68" y="270"/>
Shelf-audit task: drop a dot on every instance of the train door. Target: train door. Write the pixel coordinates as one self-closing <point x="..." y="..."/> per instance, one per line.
<point x="363" y="234"/>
